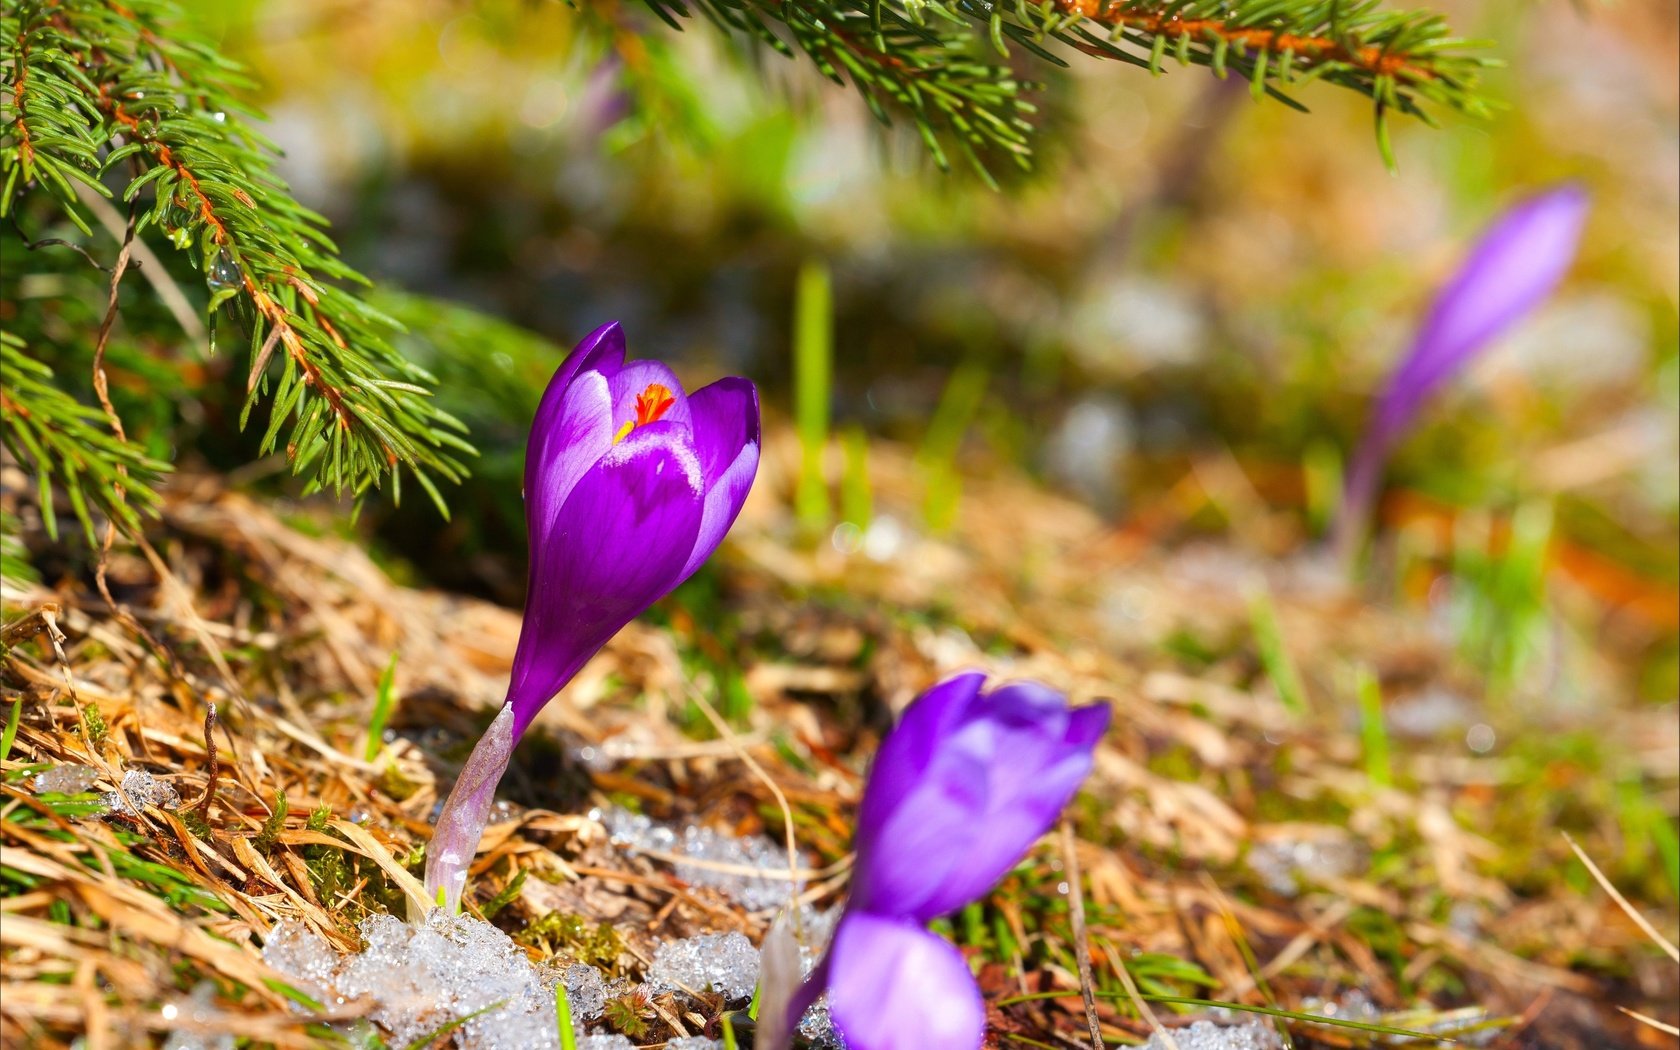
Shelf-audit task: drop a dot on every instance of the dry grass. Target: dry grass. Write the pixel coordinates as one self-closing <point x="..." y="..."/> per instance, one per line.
<point x="1452" y="887"/>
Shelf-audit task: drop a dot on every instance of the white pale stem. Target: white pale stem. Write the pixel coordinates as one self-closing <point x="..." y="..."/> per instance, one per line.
<point x="459" y="826"/>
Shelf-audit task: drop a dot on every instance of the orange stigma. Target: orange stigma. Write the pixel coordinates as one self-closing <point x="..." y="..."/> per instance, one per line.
<point x="651" y="404"/>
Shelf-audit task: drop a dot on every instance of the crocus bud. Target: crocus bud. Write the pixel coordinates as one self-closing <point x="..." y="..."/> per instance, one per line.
<point x="1509" y="272"/>
<point x="630" y="483"/>
<point x="960" y="790"/>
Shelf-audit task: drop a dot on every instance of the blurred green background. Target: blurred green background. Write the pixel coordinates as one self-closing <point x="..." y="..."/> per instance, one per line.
<point x="1189" y="274"/>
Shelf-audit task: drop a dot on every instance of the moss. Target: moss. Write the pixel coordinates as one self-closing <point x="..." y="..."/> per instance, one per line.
<point x="328" y="873"/>
<point x="564" y="932"/>
<point x="95" y="722"/>
<point x="196" y="823"/>
<point x="276" y="822"/>
<point x="399" y="787"/>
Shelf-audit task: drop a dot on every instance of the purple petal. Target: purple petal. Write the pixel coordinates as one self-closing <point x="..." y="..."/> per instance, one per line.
<point x="575" y="435"/>
<point x="1086" y="727"/>
<point x="600" y="351"/>
<point x="906" y="752"/>
<point x="1511" y="270"/>
<point x="894" y="986"/>
<point x="1039" y="732"/>
<point x="962" y="788"/>
<point x="932" y="835"/>
<point x="723" y="504"/>
<point x="725" y="422"/>
<point x="1013" y="824"/>
<point x="618" y="545"/>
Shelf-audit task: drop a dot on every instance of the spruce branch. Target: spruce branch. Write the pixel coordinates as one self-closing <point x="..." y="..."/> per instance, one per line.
<point x="106" y="93"/>
<point x="1404" y="61"/>
<point x="896" y="60"/>
<point x="923" y="57"/>
<point x="62" y="439"/>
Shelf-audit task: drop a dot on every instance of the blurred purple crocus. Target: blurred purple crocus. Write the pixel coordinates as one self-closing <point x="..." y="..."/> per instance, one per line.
<point x="629" y="485"/>
<point x="964" y="785"/>
<point x="1510" y="271"/>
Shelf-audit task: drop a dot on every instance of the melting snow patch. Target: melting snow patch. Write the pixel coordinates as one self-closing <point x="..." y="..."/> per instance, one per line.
<point x="422" y="978"/>
<point x="725" y="963"/>
<point x="1205" y="1035"/>
<point x="725" y="863"/>
<point x="69" y="779"/>
<point x="142" y="790"/>
<point x="305" y="958"/>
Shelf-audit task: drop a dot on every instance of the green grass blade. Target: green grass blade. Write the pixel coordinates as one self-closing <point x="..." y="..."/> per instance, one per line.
<point x="1268" y="639"/>
<point x="1372" y="731"/>
<point x="813" y="365"/>
<point x="10" y="734"/>
<point x="431" y="1038"/>
<point x="964" y="394"/>
<point x="563" y="1016"/>
<point x="383" y="703"/>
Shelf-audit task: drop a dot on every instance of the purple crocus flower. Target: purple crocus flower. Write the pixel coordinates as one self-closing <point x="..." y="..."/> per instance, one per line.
<point x="1510" y="271"/>
<point x="629" y="485"/>
<point x="960" y="790"/>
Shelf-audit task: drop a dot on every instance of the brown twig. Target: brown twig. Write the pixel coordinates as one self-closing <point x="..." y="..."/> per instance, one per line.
<point x="202" y="806"/>
<point x="1081" y="939"/>
<point x="101" y="387"/>
<point x="1309" y="50"/>
<point x="147" y="263"/>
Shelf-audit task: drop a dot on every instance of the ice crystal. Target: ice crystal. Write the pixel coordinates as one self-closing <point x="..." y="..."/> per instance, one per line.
<point x="143" y="790"/>
<point x="725" y="862"/>
<point x="72" y="778"/>
<point x="304" y="958"/>
<point x="726" y="963"/>
<point x="1205" y="1035"/>
<point x="420" y="978"/>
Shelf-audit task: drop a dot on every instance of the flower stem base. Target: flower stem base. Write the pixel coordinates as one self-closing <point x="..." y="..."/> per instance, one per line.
<point x="459" y="826"/>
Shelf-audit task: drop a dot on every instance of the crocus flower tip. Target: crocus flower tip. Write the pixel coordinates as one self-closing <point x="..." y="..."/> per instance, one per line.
<point x="961" y="788"/>
<point x="1509" y="272"/>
